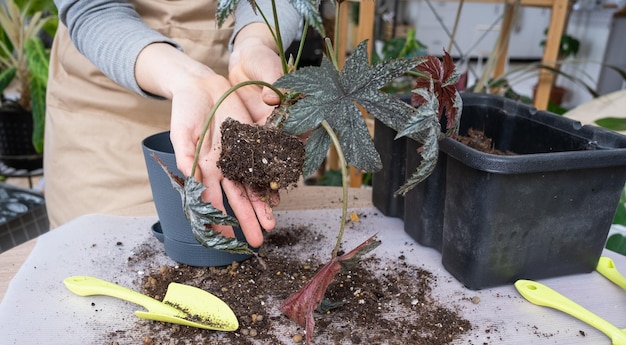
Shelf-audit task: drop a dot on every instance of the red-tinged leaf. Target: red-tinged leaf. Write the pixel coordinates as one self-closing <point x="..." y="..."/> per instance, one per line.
<point x="299" y="307"/>
<point x="444" y="76"/>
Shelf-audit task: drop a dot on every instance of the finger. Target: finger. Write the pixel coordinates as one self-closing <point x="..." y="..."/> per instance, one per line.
<point x="242" y="207"/>
<point x="270" y="97"/>
<point x="263" y="209"/>
<point x="184" y="148"/>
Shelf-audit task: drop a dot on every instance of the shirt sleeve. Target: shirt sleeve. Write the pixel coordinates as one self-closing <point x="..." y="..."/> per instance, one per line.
<point x="111" y="34"/>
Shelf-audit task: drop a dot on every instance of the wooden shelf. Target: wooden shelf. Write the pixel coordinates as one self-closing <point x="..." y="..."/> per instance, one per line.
<point x="560" y="10"/>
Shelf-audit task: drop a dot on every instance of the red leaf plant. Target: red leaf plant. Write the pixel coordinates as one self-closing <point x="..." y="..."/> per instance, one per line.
<point x="444" y="77"/>
<point x="299" y="307"/>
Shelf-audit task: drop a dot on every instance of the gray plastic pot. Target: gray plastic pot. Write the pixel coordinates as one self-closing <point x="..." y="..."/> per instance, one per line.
<point x="173" y="229"/>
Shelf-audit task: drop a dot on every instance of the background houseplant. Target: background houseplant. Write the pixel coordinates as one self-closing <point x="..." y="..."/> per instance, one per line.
<point x="24" y="67"/>
<point x="568" y="47"/>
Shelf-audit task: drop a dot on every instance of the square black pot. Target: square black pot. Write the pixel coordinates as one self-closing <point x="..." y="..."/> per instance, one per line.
<point x="424" y="204"/>
<point x="543" y="212"/>
<point x="391" y="177"/>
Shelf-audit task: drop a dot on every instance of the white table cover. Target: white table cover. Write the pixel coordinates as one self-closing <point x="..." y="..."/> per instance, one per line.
<point x="38" y="309"/>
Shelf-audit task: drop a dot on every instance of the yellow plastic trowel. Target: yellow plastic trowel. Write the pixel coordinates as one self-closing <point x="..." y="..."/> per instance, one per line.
<point x="542" y="295"/>
<point x="607" y="268"/>
<point x="183" y="304"/>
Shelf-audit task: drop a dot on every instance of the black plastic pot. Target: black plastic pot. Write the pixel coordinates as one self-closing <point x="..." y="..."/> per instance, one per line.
<point x="391" y="177"/>
<point x="425" y="203"/>
<point x="541" y="213"/>
<point x="16" y="139"/>
<point x="173" y="229"/>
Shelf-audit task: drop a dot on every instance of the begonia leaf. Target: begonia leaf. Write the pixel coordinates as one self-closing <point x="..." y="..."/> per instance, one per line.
<point x="202" y="215"/>
<point x="299" y="307"/>
<point x="337" y="96"/>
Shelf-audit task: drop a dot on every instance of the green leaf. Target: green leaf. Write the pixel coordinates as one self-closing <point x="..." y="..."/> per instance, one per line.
<point x="613" y="123"/>
<point x="38" y="74"/>
<point x="333" y="96"/>
<point x="316" y="148"/>
<point x="202" y="215"/>
<point x="424" y="127"/>
<point x="6" y="77"/>
<point x="424" y="118"/>
<point x="429" y="153"/>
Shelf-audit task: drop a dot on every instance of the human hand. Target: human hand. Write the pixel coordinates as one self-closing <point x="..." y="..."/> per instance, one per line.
<point x="193" y="88"/>
<point x="255" y="57"/>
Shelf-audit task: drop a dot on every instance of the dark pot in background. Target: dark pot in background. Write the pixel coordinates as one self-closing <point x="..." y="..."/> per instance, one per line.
<point x="16" y="139"/>
<point x="425" y="203"/>
<point x="544" y="212"/>
<point x="173" y="227"/>
<point x="391" y="177"/>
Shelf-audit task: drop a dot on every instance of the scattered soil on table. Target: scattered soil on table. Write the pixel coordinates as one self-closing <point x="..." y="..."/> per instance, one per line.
<point x="262" y="157"/>
<point x="379" y="302"/>
<point x="478" y="140"/>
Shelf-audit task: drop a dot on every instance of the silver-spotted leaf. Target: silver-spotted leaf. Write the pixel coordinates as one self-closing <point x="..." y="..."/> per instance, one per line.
<point x="225" y="8"/>
<point x="424" y="127"/>
<point x="333" y="96"/>
<point x="310" y="10"/>
<point x="429" y="153"/>
<point x="202" y="215"/>
<point x="317" y="145"/>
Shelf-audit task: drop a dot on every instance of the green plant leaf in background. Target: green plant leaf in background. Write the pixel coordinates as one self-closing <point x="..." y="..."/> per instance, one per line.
<point x="336" y="96"/>
<point x="6" y="77"/>
<point x="38" y="66"/>
<point x="612" y="123"/>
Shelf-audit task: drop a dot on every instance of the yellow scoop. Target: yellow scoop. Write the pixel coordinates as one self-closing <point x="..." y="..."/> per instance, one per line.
<point x="183" y="304"/>
<point x="607" y="268"/>
<point x="542" y="295"/>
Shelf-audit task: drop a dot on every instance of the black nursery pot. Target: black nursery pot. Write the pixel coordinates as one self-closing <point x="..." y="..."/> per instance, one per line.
<point x="424" y="204"/>
<point x="391" y="177"/>
<point x="544" y="212"/>
<point x="173" y="229"/>
<point x="16" y="143"/>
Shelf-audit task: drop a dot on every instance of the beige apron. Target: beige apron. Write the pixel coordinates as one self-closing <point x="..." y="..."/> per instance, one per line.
<point x="93" y="159"/>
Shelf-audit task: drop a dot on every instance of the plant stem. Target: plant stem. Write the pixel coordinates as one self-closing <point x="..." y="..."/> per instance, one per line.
<point x="344" y="182"/>
<point x="301" y="46"/>
<point x="217" y="104"/>
<point x="333" y="57"/>
<point x="275" y="34"/>
<point x="342" y="160"/>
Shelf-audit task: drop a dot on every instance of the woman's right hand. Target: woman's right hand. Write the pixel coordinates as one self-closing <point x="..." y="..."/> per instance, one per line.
<point x="193" y="88"/>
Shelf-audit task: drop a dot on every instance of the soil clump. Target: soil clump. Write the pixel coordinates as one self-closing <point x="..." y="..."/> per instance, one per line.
<point x="262" y="157"/>
<point x="478" y="140"/>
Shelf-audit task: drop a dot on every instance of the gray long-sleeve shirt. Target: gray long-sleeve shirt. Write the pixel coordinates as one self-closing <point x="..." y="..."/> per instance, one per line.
<point x="111" y="34"/>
